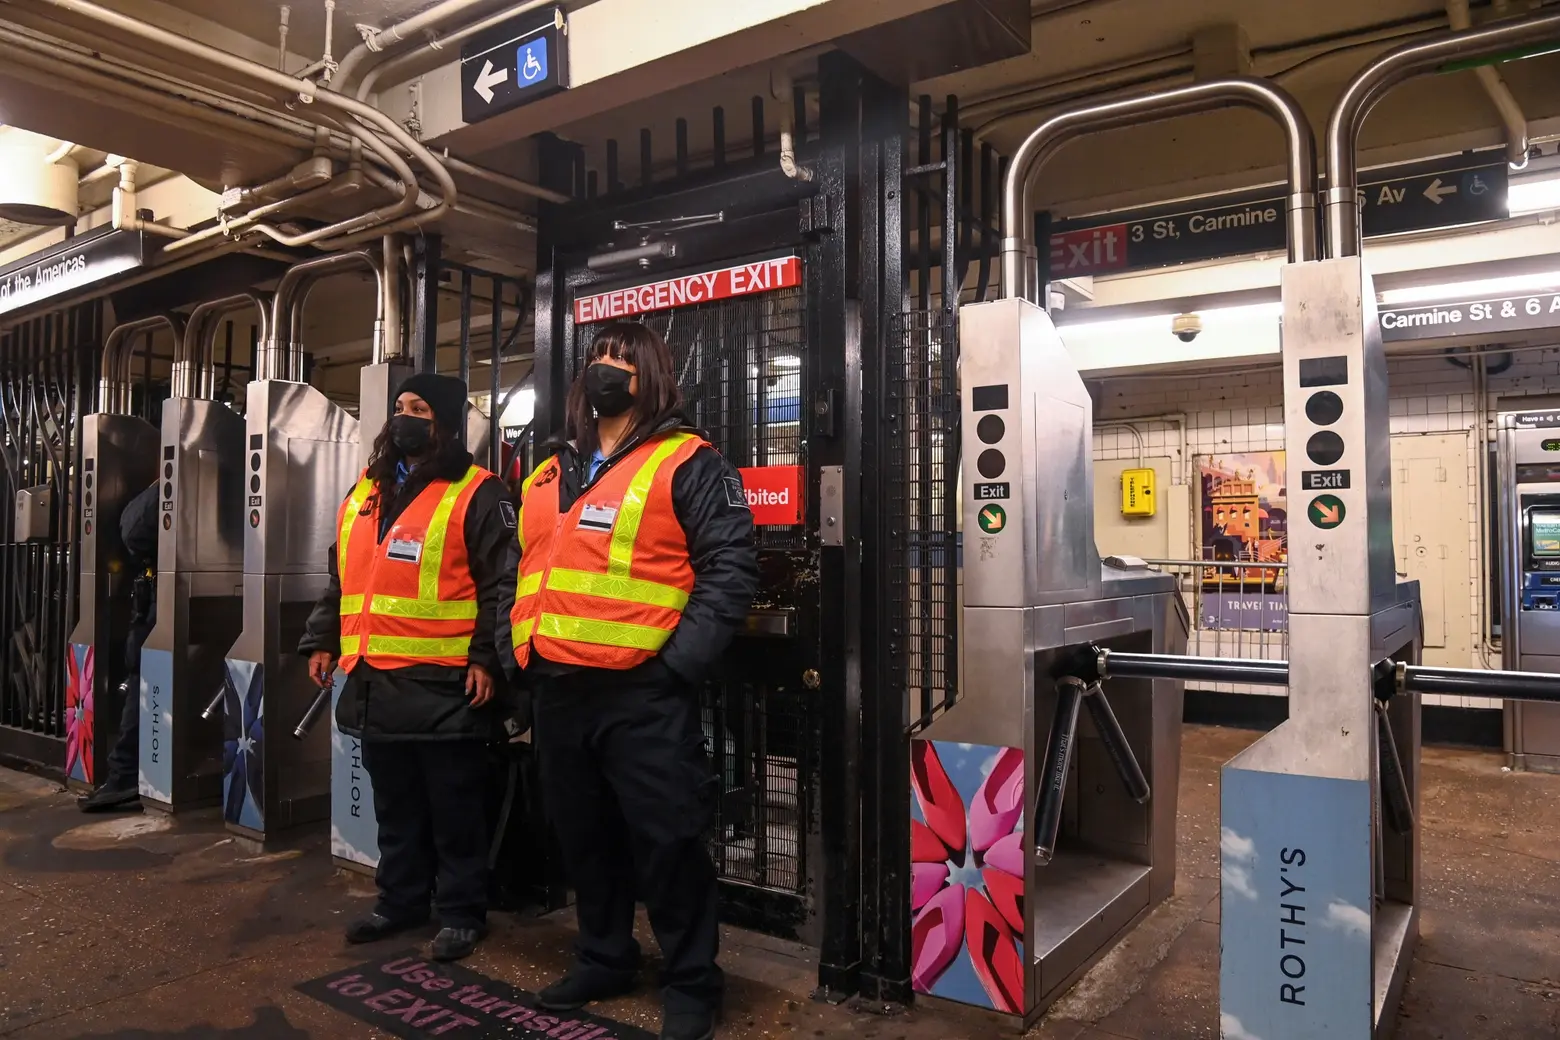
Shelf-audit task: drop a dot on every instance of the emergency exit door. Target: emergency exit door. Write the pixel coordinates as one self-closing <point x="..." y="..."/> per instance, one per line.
<point x="738" y="335"/>
<point x="1430" y="524"/>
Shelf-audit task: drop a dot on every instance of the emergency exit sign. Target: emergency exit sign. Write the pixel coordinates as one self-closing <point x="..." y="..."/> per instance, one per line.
<point x="723" y="283"/>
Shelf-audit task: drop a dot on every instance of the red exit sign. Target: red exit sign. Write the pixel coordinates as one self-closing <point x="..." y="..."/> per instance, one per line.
<point x="1089" y="251"/>
<point x="774" y="494"/>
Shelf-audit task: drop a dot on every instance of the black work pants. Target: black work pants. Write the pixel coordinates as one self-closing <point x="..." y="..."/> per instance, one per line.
<point x="430" y="799"/>
<point x="630" y="792"/>
<point x="124" y="758"/>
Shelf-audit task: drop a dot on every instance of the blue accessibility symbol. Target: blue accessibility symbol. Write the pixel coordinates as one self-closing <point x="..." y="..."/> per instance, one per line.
<point x="531" y="61"/>
<point x="1475" y="184"/>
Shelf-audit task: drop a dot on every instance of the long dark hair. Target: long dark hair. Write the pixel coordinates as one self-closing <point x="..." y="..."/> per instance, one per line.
<point x="448" y="456"/>
<point x="659" y="397"/>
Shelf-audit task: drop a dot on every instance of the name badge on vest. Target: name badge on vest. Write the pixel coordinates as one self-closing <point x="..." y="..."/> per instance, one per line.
<point x="597" y="518"/>
<point x="404" y="550"/>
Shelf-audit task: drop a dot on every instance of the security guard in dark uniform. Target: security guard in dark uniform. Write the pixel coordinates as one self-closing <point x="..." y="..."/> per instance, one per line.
<point x="424" y="554"/>
<point x="637" y="566"/>
<point x="138" y="530"/>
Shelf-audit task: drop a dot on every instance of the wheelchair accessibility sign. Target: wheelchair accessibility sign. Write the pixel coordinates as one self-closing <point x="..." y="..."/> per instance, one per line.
<point x="515" y="63"/>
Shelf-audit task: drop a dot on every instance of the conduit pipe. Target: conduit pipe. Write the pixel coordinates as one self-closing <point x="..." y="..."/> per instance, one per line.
<point x="283" y="359"/>
<point x="193" y="355"/>
<point x="781" y="88"/>
<point x="113" y="378"/>
<point x="375" y="40"/>
<point x="1494" y="85"/>
<point x="1380" y="76"/>
<point x="1018" y="252"/>
<point x="351" y="107"/>
<point x="393" y="343"/>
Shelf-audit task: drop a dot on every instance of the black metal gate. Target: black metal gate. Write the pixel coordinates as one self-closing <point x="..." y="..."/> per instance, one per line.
<point x="48" y="380"/>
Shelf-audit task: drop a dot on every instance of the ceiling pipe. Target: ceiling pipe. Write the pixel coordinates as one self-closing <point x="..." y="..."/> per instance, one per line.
<point x="781" y="88"/>
<point x="256" y="72"/>
<point x="376" y="40"/>
<point x="275" y="123"/>
<point x="1460" y="20"/>
<point x="1018" y="251"/>
<point x="1374" y="81"/>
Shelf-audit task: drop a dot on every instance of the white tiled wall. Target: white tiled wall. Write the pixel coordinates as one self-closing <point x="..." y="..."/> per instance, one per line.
<point x="1243" y="411"/>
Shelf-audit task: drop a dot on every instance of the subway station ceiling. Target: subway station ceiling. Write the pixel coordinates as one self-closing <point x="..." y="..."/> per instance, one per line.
<point x="1080" y="49"/>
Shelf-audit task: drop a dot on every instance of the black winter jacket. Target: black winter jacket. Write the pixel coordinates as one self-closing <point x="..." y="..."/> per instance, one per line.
<point x="423" y="701"/>
<point x="138" y="530"/>
<point x="711" y="506"/>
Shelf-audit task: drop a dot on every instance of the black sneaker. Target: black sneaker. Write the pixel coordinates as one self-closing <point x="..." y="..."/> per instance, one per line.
<point x="111" y="797"/>
<point x="377" y="926"/>
<point x="688" y="1025"/>
<point x="578" y="988"/>
<point x="454" y="944"/>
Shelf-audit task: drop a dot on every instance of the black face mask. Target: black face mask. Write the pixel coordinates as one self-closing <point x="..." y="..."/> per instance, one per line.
<point x="606" y="388"/>
<point x="410" y="435"/>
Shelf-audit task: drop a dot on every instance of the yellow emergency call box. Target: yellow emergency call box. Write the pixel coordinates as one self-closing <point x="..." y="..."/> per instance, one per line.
<point x="1137" y="492"/>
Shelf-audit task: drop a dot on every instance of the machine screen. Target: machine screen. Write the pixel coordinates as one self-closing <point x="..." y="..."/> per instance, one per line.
<point x="1544" y="532"/>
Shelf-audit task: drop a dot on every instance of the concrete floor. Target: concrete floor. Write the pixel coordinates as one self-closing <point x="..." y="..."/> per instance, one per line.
<point x="130" y="928"/>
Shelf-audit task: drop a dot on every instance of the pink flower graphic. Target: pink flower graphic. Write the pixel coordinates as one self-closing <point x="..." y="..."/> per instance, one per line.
<point x="79" y="722"/>
<point x="967" y="876"/>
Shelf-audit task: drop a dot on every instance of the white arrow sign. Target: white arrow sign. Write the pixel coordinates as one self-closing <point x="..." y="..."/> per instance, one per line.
<point x="490" y="77"/>
<point x="1438" y="191"/>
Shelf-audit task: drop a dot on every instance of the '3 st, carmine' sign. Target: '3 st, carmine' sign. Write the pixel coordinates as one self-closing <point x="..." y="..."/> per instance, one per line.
<point x="762" y="276"/>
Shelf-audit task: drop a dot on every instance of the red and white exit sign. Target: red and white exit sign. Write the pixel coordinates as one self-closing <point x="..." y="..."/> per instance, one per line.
<point x="774" y="493"/>
<point x="742" y="280"/>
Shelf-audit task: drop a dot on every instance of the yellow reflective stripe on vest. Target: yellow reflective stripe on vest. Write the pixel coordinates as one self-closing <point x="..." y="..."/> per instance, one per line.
<point x="422" y="609"/>
<point x="360" y="493"/>
<point x="350" y="644"/>
<point x="603" y="633"/>
<point x="614" y="586"/>
<point x="405" y="646"/>
<point x="530" y="585"/>
<point x="522" y="631"/>
<point x="351" y="605"/>
<point x="438" y="534"/>
<point x="620" y="558"/>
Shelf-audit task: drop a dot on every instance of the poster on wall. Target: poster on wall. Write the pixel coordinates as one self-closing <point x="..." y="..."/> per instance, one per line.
<point x="1245" y="520"/>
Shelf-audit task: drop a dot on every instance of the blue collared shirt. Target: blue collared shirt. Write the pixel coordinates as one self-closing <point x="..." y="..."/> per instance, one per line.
<point x="596" y="462"/>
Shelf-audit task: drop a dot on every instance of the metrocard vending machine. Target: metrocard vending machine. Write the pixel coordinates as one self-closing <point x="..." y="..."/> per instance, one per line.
<point x="1529" y="461"/>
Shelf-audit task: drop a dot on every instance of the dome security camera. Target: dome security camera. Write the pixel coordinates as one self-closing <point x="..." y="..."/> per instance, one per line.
<point x="1186" y="327"/>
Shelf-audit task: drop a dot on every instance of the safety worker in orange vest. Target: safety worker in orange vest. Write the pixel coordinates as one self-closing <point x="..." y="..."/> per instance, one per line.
<point x="637" y="566"/>
<point x="425" y="551"/>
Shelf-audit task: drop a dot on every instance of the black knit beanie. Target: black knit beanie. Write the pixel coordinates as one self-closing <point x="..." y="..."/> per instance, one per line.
<point x="446" y="395"/>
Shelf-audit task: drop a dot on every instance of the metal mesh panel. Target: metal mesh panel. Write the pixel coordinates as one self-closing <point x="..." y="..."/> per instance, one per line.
<point x="922" y="508"/>
<point x="756" y="736"/>
<point x="44" y="364"/>
<point x="739" y="365"/>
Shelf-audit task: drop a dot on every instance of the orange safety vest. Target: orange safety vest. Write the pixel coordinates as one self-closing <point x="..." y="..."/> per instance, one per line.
<point x="410" y="599"/>
<point x="604" y="585"/>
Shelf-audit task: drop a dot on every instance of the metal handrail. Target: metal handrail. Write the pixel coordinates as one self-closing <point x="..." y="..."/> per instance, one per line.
<point x="1056" y="131"/>
<point x="1373" y="83"/>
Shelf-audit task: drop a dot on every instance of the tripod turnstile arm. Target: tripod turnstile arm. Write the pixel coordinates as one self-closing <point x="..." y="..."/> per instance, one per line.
<point x="1115" y="740"/>
<point x="311" y="716"/>
<point x="1058" y="757"/>
<point x="216" y="703"/>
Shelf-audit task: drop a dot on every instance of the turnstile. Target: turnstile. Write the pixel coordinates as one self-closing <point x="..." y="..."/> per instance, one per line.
<point x="118" y="462"/>
<point x="200" y="565"/>
<point x="1529" y="460"/>
<point x="1037" y="842"/>
<point x="301" y="457"/>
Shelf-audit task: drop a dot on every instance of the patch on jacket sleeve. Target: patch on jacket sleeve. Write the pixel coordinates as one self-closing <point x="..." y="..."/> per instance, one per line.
<point x="735" y="496"/>
<point x="507" y="511"/>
